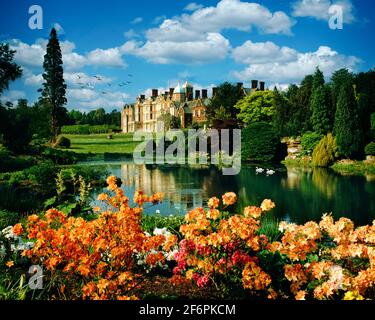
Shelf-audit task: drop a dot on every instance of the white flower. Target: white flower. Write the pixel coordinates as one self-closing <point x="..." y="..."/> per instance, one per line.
<point x="157" y="211"/>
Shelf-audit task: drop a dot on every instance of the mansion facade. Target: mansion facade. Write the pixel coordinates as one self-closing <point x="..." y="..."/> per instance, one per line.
<point x="183" y="102"/>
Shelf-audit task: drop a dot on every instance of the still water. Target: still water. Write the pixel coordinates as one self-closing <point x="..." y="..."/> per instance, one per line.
<point x="300" y="195"/>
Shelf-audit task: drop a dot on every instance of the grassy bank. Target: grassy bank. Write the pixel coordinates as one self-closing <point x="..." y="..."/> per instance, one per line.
<point x="100" y="144"/>
<point x="355" y="168"/>
<point x="352" y="168"/>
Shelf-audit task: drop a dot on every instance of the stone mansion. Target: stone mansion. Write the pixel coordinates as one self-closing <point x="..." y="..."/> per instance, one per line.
<point x="182" y="102"/>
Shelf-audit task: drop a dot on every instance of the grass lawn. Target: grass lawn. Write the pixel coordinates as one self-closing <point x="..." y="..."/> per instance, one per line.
<point x="100" y="144"/>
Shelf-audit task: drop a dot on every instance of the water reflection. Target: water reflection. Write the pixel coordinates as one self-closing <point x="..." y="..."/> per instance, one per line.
<point x="300" y="195"/>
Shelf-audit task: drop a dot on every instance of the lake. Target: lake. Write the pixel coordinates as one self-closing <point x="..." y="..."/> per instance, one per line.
<point x="300" y="195"/>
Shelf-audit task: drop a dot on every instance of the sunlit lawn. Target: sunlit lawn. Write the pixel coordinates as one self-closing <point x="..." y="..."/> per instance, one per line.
<point x="99" y="143"/>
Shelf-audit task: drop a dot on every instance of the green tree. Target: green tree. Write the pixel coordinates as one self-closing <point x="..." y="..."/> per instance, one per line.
<point x="256" y="107"/>
<point x="318" y="79"/>
<point x="226" y="97"/>
<point x="54" y="87"/>
<point x="321" y="114"/>
<point x="347" y="127"/>
<point x="9" y="70"/>
<point x="17" y="127"/>
<point x="282" y="114"/>
<point x="338" y="78"/>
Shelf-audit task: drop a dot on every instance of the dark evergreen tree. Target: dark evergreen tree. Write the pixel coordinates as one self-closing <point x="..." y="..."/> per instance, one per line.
<point x="338" y="78"/>
<point x="318" y="79"/>
<point x="282" y="115"/>
<point x="347" y="127"/>
<point x="54" y="87"/>
<point x="321" y="112"/>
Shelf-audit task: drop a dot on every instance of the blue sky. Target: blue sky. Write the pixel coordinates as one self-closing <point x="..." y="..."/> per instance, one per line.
<point x="134" y="46"/>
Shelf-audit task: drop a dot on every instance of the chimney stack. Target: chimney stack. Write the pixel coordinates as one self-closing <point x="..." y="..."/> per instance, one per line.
<point x="262" y="85"/>
<point x="154" y="93"/>
<point x="204" y="94"/>
<point x="214" y="91"/>
<point x="254" y="84"/>
<point x="197" y="94"/>
<point x="142" y="97"/>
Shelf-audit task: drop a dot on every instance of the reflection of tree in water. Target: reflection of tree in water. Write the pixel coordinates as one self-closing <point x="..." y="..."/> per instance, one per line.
<point x="325" y="181"/>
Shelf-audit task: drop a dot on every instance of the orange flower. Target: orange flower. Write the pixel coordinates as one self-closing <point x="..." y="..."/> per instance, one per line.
<point x="18" y="229"/>
<point x="253" y="212"/>
<point x="213" y="202"/>
<point x="96" y="209"/>
<point x="301" y="295"/>
<point x="103" y="197"/>
<point x="9" y="264"/>
<point x="229" y="198"/>
<point x="213" y="214"/>
<point x="267" y="205"/>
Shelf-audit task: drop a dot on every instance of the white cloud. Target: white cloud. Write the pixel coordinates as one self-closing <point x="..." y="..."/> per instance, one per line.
<point x="214" y="47"/>
<point x="234" y="14"/>
<point x="159" y="19"/>
<point x="82" y="94"/>
<point x="294" y="70"/>
<point x="137" y="20"/>
<point x="34" y="80"/>
<point x="89" y="99"/>
<point x="111" y="57"/>
<point x="196" y="38"/>
<point x="263" y="52"/>
<point x="193" y="6"/>
<point x="13" y="96"/>
<point x="319" y="9"/>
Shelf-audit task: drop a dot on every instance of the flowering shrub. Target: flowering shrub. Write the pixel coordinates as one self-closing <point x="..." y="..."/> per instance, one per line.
<point x="329" y="260"/>
<point x="220" y="249"/>
<point x="110" y="256"/>
<point x="96" y="259"/>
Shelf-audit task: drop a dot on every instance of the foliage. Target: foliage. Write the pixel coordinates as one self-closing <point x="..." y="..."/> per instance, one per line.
<point x="88" y="129"/>
<point x="59" y="157"/>
<point x="370" y="149"/>
<point x="260" y="143"/>
<point x="355" y="168"/>
<point x="16" y="130"/>
<point x="347" y="127"/>
<point x="10" y="163"/>
<point x="325" y="152"/>
<point x="9" y="71"/>
<point x="95" y="117"/>
<point x="310" y="140"/>
<point x="221" y="106"/>
<point x="62" y="142"/>
<point x="321" y="118"/>
<point x="256" y="107"/>
<point x="54" y="87"/>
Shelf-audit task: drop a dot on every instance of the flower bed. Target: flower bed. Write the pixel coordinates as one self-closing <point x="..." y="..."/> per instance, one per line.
<point x="217" y="251"/>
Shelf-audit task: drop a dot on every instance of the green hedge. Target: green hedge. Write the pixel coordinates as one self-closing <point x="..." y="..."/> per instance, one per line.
<point x="261" y="143"/>
<point x="310" y="140"/>
<point x="87" y="129"/>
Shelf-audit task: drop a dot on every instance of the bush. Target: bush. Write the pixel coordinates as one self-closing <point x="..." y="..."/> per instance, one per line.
<point x="370" y="149"/>
<point x="310" y="140"/>
<point x="8" y="218"/>
<point x="260" y="143"/>
<point x="325" y="152"/>
<point x="60" y="157"/>
<point x="63" y="142"/>
<point x="10" y="163"/>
